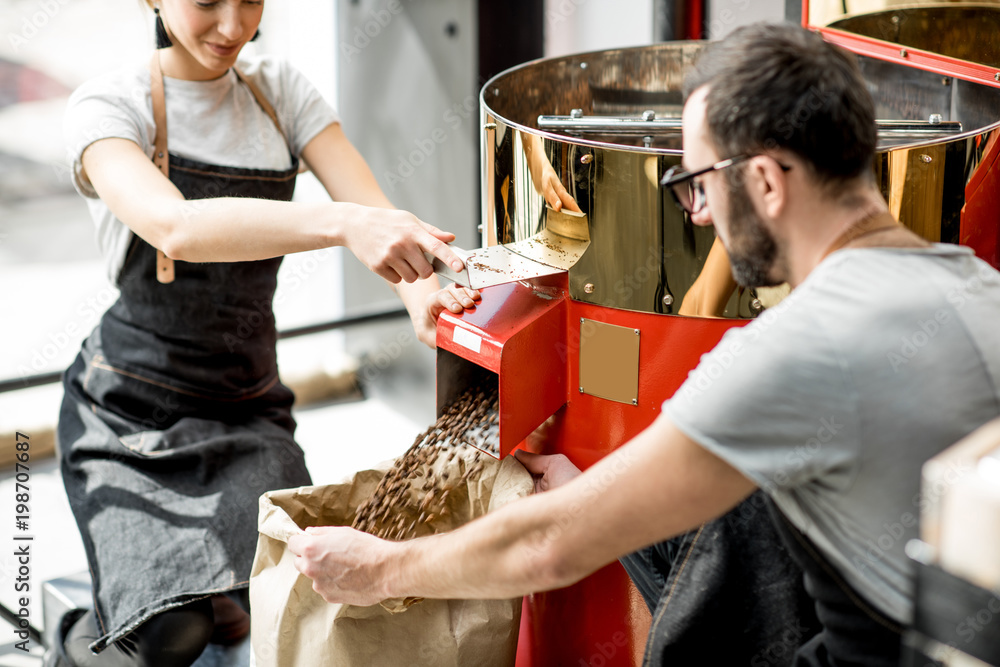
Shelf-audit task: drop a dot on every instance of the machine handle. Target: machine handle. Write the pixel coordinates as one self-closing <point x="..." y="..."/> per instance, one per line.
<point x="649" y="124"/>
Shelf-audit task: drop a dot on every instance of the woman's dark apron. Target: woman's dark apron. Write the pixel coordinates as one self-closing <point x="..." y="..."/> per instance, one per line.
<point x="174" y="419"/>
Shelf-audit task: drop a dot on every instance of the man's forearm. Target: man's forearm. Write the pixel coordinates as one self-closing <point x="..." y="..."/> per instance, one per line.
<point x="658" y="485"/>
<point x="502" y="555"/>
<point x="556" y="538"/>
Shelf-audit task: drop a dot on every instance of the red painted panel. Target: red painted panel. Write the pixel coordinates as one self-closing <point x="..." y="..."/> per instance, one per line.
<point x="980" y="227"/>
<point x="925" y="60"/>
<point x="604" y="610"/>
<point x="600" y="620"/>
<point x="519" y="330"/>
<point x="669" y="347"/>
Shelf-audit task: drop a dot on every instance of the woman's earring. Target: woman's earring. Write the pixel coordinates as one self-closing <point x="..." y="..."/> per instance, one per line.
<point x="162" y="38"/>
<point x="255" y="36"/>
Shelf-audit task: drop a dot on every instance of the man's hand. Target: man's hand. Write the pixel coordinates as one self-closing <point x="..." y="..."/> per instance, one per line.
<point x="550" y="472"/>
<point x="392" y="243"/>
<point x="342" y="562"/>
<point x="454" y="298"/>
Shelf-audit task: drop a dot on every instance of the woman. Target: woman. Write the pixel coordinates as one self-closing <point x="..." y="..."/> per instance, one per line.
<point x="174" y="419"/>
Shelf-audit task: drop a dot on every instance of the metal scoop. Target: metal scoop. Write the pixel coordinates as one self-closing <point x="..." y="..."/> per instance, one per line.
<point x="557" y="247"/>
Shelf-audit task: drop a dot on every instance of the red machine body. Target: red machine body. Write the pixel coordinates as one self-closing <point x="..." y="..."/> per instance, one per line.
<point x="530" y="337"/>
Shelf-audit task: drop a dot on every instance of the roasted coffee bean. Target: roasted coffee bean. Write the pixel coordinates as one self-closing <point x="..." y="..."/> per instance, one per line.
<point x="413" y="486"/>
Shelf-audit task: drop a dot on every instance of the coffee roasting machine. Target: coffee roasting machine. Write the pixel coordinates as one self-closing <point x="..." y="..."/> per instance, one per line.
<point x="594" y="318"/>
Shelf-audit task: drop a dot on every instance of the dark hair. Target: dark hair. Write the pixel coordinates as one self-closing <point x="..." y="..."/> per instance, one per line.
<point x="781" y="86"/>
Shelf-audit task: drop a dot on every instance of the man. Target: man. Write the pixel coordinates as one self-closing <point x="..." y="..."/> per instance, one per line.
<point x="819" y="402"/>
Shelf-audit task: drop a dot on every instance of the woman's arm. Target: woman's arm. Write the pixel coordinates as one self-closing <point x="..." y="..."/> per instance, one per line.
<point x="226" y="229"/>
<point x="712" y="288"/>
<point x="346" y="176"/>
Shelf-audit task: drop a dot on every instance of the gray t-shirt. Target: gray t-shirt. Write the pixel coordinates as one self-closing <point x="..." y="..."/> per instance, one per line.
<point x="217" y="121"/>
<point x="833" y="400"/>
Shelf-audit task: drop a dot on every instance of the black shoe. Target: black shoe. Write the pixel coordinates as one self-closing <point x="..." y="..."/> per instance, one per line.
<point x="55" y="656"/>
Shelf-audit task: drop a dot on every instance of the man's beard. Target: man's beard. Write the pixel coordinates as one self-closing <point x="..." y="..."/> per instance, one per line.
<point x="752" y="249"/>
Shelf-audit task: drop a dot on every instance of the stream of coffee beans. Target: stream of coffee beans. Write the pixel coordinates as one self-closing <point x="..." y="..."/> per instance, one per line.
<point x="415" y="490"/>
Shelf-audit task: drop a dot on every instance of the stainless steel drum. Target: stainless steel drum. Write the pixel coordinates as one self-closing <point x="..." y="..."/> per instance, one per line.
<point x="616" y="131"/>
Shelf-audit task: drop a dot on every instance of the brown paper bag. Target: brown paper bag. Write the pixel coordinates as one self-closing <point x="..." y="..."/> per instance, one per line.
<point x="292" y="626"/>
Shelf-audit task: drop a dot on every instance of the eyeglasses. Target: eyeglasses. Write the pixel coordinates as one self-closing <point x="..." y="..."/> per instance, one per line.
<point x="689" y="194"/>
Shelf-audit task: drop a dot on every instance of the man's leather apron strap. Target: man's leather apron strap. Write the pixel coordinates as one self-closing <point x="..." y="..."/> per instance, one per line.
<point x="161" y="154"/>
<point x="870" y="224"/>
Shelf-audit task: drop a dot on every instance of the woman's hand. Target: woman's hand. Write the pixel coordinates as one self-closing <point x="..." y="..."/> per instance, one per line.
<point x="552" y="190"/>
<point x="392" y="244"/>
<point x="544" y="177"/>
<point x="454" y="298"/>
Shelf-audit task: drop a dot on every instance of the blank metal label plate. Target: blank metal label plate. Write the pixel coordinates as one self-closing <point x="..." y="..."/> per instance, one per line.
<point x="609" y="361"/>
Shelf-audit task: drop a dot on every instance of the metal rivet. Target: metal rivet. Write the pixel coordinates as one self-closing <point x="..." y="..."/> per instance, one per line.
<point x="647" y="141"/>
<point x="636" y="331"/>
<point x="756" y="306"/>
<point x="587" y="158"/>
<point x="576" y="113"/>
<point x="479" y="228"/>
<point x="490" y="126"/>
<point x="589" y="288"/>
<point x="996" y="77"/>
<point x="924" y="157"/>
<point x="159" y="155"/>
<point x="635" y="401"/>
<point x="903" y="53"/>
<point x="583" y="65"/>
<point x="581" y="320"/>
<point x="581" y="390"/>
<point x="935" y="119"/>
<point x="668" y="299"/>
<point x="648" y="115"/>
<point x="496" y="91"/>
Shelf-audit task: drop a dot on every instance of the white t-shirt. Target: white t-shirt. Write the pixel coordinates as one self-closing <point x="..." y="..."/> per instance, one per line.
<point x="217" y="121"/>
<point x="833" y="400"/>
